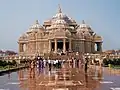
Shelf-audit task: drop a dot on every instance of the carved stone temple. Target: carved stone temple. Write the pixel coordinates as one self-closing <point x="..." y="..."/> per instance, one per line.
<point x="59" y="34"/>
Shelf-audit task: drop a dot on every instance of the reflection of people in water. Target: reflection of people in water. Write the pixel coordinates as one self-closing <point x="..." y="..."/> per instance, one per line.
<point x="77" y="63"/>
<point x="86" y="64"/>
<point x="31" y="80"/>
<point x="8" y="75"/>
<point x="86" y="80"/>
<point x="32" y="73"/>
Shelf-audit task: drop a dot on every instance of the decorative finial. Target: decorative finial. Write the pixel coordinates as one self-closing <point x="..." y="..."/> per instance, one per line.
<point x="83" y="22"/>
<point x="36" y="22"/>
<point x="59" y="9"/>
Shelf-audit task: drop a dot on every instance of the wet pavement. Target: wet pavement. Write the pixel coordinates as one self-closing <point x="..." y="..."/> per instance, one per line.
<point x="65" y="78"/>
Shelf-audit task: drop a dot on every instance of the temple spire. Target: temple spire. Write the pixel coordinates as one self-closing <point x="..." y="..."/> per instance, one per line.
<point x="59" y="9"/>
<point x="36" y="22"/>
<point x="83" y="22"/>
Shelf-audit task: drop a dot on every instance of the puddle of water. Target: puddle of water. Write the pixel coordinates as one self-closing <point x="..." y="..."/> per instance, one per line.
<point x="13" y="83"/>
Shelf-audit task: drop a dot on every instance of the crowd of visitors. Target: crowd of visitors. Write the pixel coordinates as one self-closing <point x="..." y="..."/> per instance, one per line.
<point x="41" y="62"/>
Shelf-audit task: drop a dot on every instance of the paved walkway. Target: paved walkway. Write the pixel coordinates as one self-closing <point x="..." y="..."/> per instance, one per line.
<point x="66" y="78"/>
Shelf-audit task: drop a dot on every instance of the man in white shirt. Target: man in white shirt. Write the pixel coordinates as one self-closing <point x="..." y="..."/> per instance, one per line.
<point x="44" y="61"/>
<point x="49" y="63"/>
<point x="54" y="63"/>
<point x="57" y="63"/>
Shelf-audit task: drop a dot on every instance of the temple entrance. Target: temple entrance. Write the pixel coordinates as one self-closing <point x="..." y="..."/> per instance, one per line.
<point x="97" y="46"/>
<point x="60" y="45"/>
<point x="67" y="46"/>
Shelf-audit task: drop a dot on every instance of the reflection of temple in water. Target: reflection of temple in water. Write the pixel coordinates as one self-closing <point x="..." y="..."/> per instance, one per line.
<point x="31" y="79"/>
<point x="73" y="79"/>
<point x="28" y="82"/>
<point x="21" y="78"/>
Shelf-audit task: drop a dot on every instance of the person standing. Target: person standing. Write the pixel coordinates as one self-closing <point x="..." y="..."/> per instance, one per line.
<point x="49" y="63"/>
<point x="54" y="63"/>
<point x="57" y="63"/>
<point x="44" y="61"/>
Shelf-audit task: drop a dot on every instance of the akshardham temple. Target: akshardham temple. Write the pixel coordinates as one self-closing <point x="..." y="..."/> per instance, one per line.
<point x="61" y="33"/>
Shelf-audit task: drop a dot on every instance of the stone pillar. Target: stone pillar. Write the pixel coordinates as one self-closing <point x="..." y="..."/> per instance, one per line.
<point x="101" y="46"/>
<point x="36" y="45"/>
<point x="64" y="45"/>
<point x="90" y="44"/>
<point x="70" y="45"/>
<point x="93" y="47"/>
<point x="49" y="45"/>
<point x="55" y="45"/>
<point x="19" y="47"/>
<point x="83" y="46"/>
<point x="26" y="47"/>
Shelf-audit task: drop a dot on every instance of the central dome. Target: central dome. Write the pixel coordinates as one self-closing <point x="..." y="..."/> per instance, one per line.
<point x="59" y="21"/>
<point x="61" y="15"/>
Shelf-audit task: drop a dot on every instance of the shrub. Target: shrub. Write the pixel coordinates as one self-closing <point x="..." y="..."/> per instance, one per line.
<point x="14" y="62"/>
<point x="110" y="61"/>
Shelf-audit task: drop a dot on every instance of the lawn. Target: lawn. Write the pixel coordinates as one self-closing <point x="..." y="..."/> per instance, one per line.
<point x="4" y="68"/>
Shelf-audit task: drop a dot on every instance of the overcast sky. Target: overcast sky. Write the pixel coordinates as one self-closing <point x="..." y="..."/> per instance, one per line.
<point x="16" y="16"/>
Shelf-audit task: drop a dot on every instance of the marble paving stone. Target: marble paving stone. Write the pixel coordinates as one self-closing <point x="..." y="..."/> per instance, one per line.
<point x="60" y="89"/>
<point x="23" y="78"/>
<point x="115" y="88"/>
<point x="61" y="83"/>
<point x="69" y="83"/>
<point x="97" y="78"/>
<point x="80" y="83"/>
<point x="106" y="82"/>
<point x="51" y="84"/>
<point x="13" y="83"/>
<point x="4" y="89"/>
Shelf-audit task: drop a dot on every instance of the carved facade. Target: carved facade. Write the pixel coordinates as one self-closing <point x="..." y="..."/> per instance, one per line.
<point x="59" y="34"/>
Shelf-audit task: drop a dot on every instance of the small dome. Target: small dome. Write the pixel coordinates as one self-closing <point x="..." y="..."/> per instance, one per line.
<point x="23" y="37"/>
<point x="72" y="20"/>
<point x="80" y="35"/>
<point x="68" y="33"/>
<point x="83" y="25"/>
<point x="35" y="27"/>
<point x="97" y="36"/>
<point x="87" y="34"/>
